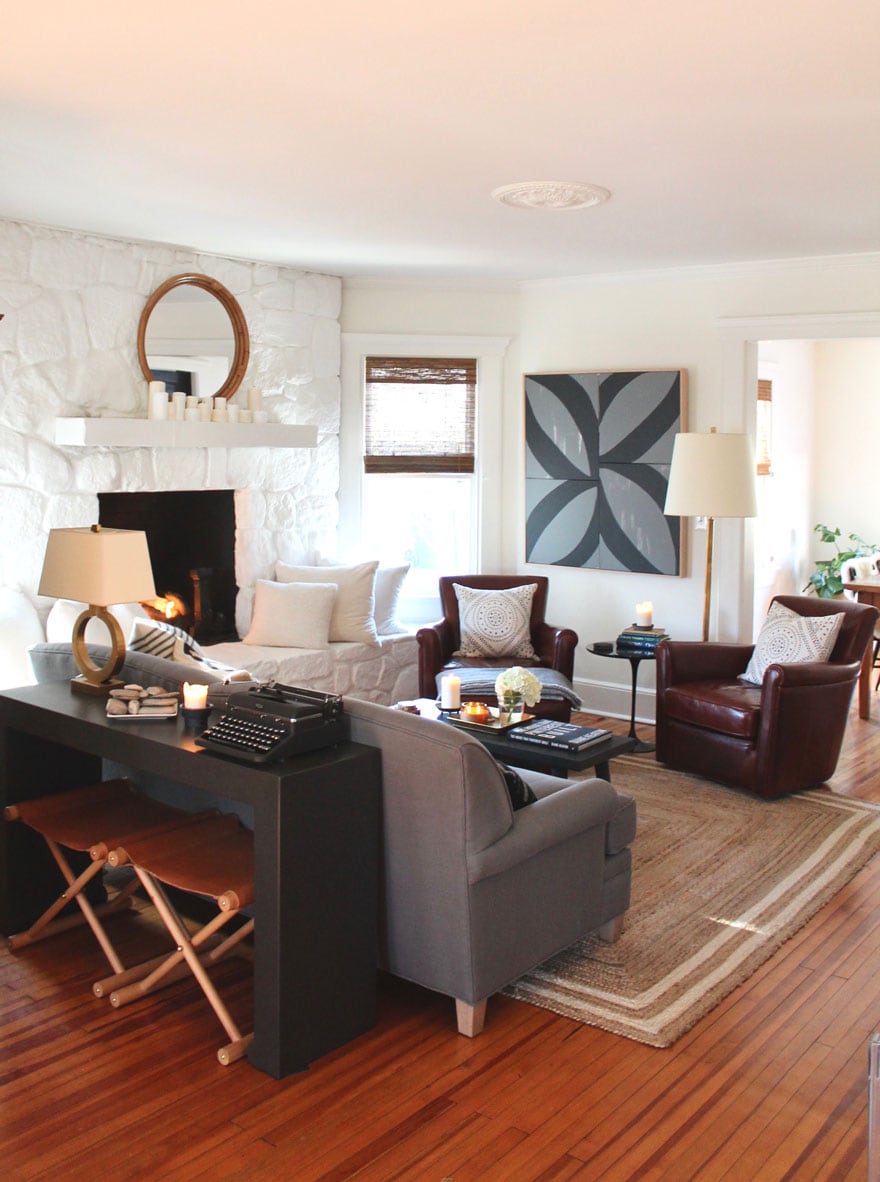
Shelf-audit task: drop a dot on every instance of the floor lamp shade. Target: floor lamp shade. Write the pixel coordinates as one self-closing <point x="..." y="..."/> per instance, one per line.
<point x="97" y="567"/>
<point x="711" y="475"/>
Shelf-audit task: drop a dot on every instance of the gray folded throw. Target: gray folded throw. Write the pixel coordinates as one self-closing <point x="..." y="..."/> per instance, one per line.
<point x="554" y="685"/>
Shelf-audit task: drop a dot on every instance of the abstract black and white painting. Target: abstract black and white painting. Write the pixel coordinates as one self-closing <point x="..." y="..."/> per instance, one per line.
<point x="598" y="450"/>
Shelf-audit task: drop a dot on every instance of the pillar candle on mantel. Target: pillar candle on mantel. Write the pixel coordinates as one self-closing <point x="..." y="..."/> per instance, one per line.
<point x="450" y="692"/>
<point x="157" y="401"/>
<point x="255" y="399"/>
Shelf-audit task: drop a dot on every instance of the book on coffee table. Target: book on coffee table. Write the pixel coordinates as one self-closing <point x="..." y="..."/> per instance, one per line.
<point x="566" y="736"/>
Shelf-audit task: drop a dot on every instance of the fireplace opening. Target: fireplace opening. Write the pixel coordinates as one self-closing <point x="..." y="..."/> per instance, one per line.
<point x="191" y="536"/>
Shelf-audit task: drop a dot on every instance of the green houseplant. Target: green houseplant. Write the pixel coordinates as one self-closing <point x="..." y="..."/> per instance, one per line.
<point x="827" y="579"/>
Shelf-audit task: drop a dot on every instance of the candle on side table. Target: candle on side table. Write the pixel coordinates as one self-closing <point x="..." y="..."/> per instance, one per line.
<point x="645" y="614"/>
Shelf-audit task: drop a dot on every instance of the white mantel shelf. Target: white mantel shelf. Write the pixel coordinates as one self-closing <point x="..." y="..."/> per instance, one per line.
<point x="171" y="433"/>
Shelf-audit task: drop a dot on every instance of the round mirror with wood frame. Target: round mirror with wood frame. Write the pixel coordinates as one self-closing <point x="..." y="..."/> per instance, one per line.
<point x="242" y="349"/>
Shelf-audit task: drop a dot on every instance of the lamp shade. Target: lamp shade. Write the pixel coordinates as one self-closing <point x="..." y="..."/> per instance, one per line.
<point x="97" y="566"/>
<point x="711" y="475"/>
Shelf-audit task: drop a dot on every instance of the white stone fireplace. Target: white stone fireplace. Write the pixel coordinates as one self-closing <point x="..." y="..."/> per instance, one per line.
<point x="71" y="305"/>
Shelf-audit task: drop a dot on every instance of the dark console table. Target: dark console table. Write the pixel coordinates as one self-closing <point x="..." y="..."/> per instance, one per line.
<point x="316" y="847"/>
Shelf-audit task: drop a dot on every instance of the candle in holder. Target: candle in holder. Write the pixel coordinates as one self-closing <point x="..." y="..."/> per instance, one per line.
<point x="645" y="614"/>
<point x="450" y="692"/>
<point x="475" y="711"/>
<point x="195" y="697"/>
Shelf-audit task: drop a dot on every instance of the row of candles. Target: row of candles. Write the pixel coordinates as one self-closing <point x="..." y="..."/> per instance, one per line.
<point x="190" y="408"/>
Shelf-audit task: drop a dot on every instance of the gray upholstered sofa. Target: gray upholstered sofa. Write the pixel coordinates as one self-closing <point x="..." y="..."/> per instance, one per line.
<point x="473" y="893"/>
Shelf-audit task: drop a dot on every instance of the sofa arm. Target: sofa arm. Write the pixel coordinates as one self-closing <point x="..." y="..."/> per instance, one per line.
<point x="436" y="645"/>
<point x="696" y="660"/>
<point x="577" y="806"/>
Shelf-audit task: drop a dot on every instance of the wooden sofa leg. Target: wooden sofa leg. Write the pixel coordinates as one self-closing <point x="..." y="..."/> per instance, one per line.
<point x="611" y="931"/>
<point x="471" y="1018"/>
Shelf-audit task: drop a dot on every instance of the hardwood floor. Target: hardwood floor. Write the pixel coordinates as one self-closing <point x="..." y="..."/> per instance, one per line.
<point x="770" y="1085"/>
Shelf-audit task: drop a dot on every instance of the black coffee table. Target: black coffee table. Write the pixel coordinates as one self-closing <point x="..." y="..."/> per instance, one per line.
<point x="554" y="761"/>
<point x="542" y="759"/>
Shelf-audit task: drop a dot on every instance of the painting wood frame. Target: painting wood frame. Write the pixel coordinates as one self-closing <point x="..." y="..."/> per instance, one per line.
<point x="598" y="452"/>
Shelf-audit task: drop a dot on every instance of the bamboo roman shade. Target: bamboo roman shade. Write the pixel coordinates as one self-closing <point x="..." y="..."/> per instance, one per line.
<point x="419" y="414"/>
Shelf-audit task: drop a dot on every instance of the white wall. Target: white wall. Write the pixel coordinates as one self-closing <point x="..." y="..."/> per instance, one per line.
<point x="68" y="348"/>
<point x="687" y="319"/>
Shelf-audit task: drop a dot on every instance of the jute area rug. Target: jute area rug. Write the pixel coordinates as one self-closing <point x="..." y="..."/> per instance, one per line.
<point x="720" y="880"/>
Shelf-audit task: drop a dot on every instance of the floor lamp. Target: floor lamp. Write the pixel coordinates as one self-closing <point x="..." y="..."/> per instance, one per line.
<point x="711" y="476"/>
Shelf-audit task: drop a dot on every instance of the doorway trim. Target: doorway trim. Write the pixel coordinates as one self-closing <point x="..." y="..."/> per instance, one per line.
<point x="739" y="337"/>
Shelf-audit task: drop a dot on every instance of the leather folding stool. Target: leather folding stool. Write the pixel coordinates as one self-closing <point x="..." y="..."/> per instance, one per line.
<point x="94" y="819"/>
<point x="215" y="859"/>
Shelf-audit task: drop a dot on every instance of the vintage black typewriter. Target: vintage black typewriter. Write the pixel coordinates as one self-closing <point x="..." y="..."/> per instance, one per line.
<point x="274" y="722"/>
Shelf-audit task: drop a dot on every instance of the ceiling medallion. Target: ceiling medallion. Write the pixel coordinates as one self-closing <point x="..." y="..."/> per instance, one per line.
<point x="551" y="195"/>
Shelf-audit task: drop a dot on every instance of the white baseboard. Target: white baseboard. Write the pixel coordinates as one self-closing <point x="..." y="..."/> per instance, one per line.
<point x="613" y="700"/>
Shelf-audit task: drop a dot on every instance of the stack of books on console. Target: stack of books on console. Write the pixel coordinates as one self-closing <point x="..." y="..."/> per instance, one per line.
<point x="565" y="736"/>
<point x="636" y="639"/>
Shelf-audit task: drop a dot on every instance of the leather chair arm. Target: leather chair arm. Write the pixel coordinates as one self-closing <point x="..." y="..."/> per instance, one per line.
<point x="811" y="674"/>
<point x="695" y="660"/>
<point x="435" y="648"/>
<point x="555" y="647"/>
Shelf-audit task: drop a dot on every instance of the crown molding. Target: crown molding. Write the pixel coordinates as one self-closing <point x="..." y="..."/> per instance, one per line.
<point x="713" y="271"/>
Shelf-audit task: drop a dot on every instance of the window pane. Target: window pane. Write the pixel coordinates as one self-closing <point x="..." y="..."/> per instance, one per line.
<point x="423" y="520"/>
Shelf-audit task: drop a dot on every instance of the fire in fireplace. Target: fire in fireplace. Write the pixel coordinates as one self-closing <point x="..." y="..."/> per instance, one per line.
<point x="191" y="536"/>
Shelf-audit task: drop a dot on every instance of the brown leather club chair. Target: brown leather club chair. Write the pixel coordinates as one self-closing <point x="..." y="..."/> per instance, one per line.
<point x="771" y="739"/>
<point x="554" y="646"/>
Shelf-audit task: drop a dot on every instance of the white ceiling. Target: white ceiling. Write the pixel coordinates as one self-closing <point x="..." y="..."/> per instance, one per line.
<point x="363" y="137"/>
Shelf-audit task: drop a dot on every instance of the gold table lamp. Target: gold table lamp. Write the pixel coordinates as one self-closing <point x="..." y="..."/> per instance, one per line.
<point x="97" y="566"/>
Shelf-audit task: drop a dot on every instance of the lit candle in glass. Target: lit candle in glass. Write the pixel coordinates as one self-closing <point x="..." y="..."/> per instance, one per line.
<point x="195" y="697"/>
<point x="450" y="692"/>
<point x="475" y="711"/>
<point x="645" y="614"/>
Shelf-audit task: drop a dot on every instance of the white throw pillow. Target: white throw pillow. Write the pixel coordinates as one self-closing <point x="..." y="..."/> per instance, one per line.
<point x="352" y="618"/>
<point x="789" y="639"/>
<point x="291" y="615"/>
<point x="389" y="583"/>
<point x="495" y="623"/>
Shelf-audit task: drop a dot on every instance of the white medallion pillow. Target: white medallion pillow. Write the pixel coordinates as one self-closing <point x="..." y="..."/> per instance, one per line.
<point x="389" y="583"/>
<point x="789" y="639"/>
<point x="495" y="623"/>
<point x="352" y="617"/>
<point x="291" y="615"/>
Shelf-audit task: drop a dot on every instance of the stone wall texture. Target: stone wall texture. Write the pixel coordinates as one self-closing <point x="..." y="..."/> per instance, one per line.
<point x="68" y="348"/>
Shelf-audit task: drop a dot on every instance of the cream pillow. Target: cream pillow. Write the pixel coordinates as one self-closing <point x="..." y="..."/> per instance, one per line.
<point x="389" y="583"/>
<point x="291" y="615"/>
<point x="495" y="623"/>
<point x="789" y="639"/>
<point x="352" y="617"/>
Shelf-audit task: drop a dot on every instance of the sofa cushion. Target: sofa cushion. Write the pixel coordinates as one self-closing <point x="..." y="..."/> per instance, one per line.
<point x="166" y="642"/>
<point x="730" y="707"/>
<point x="291" y="615"/>
<point x="495" y="623"/>
<point x="352" y="618"/>
<point x="787" y="638"/>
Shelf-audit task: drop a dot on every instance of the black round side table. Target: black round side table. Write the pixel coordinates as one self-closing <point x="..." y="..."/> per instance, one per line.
<point x="634" y="660"/>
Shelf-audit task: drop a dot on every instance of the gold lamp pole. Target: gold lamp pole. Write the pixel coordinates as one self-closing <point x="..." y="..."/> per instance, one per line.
<point x="711" y="475"/>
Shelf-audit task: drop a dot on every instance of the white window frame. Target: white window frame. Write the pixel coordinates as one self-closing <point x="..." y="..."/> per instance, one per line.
<point x="487" y="478"/>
